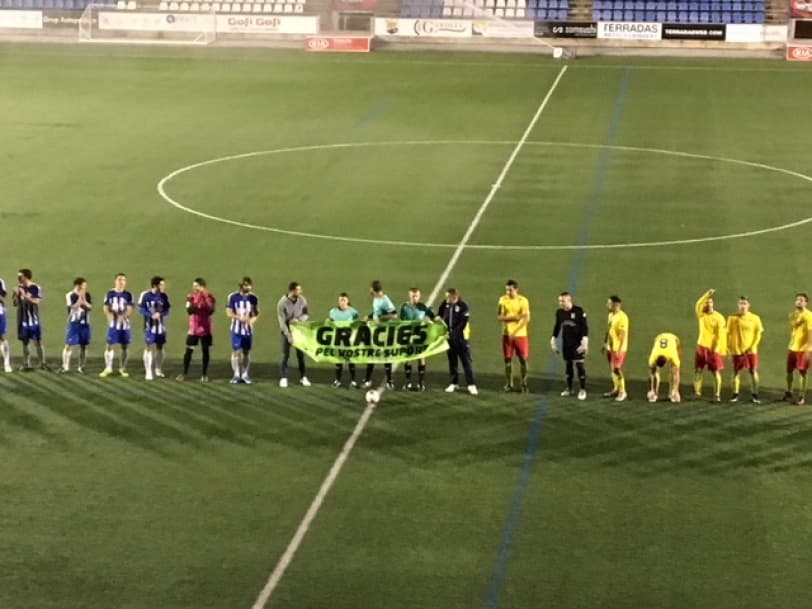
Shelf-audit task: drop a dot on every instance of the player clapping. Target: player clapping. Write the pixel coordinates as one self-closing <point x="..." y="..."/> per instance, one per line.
<point x="154" y="305"/>
<point x="79" y="303"/>
<point x="118" y="308"/>
<point x="243" y="311"/>
<point x="200" y="307"/>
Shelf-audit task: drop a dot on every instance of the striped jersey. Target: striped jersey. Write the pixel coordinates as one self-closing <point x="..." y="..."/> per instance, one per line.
<point x="3" y="296"/>
<point x="27" y="311"/>
<point x="150" y="303"/>
<point x="243" y="305"/>
<point x="80" y="315"/>
<point x="118" y="303"/>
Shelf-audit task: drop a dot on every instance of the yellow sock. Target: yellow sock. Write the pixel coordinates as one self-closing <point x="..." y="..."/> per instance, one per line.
<point x="621" y="384"/>
<point x="717" y="383"/>
<point x="737" y="384"/>
<point x="614" y="382"/>
<point x="698" y="383"/>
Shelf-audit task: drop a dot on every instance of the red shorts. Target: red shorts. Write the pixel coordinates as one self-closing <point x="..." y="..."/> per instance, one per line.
<point x="519" y="345"/>
<point x="616" y="358"/>
<point x="705" y="358"/>
<point x="797" y="360"/>
<point x="746" y="361"/>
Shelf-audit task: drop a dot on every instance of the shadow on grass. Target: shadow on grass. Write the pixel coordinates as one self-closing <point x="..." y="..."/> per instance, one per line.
<point x="423" y="430"/>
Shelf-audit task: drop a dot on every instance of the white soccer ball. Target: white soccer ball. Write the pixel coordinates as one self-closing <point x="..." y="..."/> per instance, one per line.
<point x="652" y="397"/>
<point x="373" y="397"/>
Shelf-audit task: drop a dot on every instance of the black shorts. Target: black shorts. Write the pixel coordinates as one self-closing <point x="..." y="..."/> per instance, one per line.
<point x="570" y="354"/>
<point x="193" y="341"/>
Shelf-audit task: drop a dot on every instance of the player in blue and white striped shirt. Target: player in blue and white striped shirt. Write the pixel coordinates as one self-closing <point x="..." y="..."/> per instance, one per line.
<point x="118" y="308"/>
<point x="79" y="304"/>
<point x="243" y="311"/>
<point x="154" y="306"/>
<point x="5" y="351"/>
<point x="27" y="297"/>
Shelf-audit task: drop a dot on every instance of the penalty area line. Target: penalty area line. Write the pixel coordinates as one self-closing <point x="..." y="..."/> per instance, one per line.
<point x="296" y="541"/>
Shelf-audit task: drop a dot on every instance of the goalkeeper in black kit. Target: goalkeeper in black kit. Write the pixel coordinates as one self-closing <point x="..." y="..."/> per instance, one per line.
<point x="570" y="323"/>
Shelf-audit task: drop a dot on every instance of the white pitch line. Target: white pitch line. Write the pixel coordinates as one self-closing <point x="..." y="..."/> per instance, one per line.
<point x="338" y="464"/>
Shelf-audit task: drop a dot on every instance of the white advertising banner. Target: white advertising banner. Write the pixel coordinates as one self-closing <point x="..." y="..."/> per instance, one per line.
<point x="747" y="32"/>
<point x="267" y="24"/>
<point x="154" y="22"/>
<point x="424" y="28"/>
<point x="503" y="29"/>
<point x="628" y="30"/>
<point x="23" y="20"/>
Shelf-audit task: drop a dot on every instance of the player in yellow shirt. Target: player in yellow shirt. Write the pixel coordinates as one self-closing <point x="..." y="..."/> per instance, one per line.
<point x="800" y="346"/>
<point x="514" y="313"/>
<point x="711" y="346"/>
<point x="744" y="330"/>
<point x="616" y="344"/>
<point x="666" y="350"/>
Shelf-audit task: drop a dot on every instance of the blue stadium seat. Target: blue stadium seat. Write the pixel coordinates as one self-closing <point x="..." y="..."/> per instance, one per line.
<point x="716" y="17"/>
<point x="671" y="5"/>
<point x="671" y="16"/>
<point x="661" y="16"/>
<point x="725" y="17"/>
<point x="704" y="17"/>
<point x="737" y="6"/>
<point x="693" y="17"/>
<point x="651" y="16"/>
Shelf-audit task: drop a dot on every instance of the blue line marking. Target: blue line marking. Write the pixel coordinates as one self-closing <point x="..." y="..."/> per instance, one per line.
<point x="534" y="438"/>
<point x="594" y="200"/>
<point x="381" y="106"/>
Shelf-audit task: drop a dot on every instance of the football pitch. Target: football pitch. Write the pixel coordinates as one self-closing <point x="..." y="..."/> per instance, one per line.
<point x="651" y="179"/>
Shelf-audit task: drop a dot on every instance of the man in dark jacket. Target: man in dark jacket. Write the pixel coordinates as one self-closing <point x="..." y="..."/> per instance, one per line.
<point x="454" y="312"/>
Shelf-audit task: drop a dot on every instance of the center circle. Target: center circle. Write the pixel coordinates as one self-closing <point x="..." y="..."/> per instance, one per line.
<point x="163" y="183"/>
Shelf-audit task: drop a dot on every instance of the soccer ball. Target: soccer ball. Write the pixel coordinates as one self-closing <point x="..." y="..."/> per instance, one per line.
<point x="373" y="397"/>
<point x="652" y="397"/>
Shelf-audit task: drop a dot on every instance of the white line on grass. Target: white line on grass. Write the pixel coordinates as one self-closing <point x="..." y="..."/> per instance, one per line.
<point x="335" y="470"/>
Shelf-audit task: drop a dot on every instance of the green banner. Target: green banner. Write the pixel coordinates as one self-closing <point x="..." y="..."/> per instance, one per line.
<point x="360" y="342"/>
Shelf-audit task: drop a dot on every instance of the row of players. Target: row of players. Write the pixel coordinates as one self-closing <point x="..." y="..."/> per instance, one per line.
<point x="740" y="335"/>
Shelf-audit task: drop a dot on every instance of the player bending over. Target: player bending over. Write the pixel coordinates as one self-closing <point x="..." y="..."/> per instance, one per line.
<point x="666" y="350"/>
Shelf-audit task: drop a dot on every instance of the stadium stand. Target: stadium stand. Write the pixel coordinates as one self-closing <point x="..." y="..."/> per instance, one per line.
<point x="680" y="11"/>
<point x="292" y="7"/>
<point x="507" y="9"/>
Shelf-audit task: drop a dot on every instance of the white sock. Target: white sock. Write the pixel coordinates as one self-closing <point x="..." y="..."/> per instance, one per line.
<point x="235" y="364"/>
<point x="148" y="361"/>
<point x="6" y="353"/>
<point x="246" y="361"/>
<point x="66" y="358"/>
<point x="109" y="356"/>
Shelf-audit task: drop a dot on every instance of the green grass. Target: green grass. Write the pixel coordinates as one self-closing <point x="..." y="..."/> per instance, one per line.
<point x="133" y="495"/>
